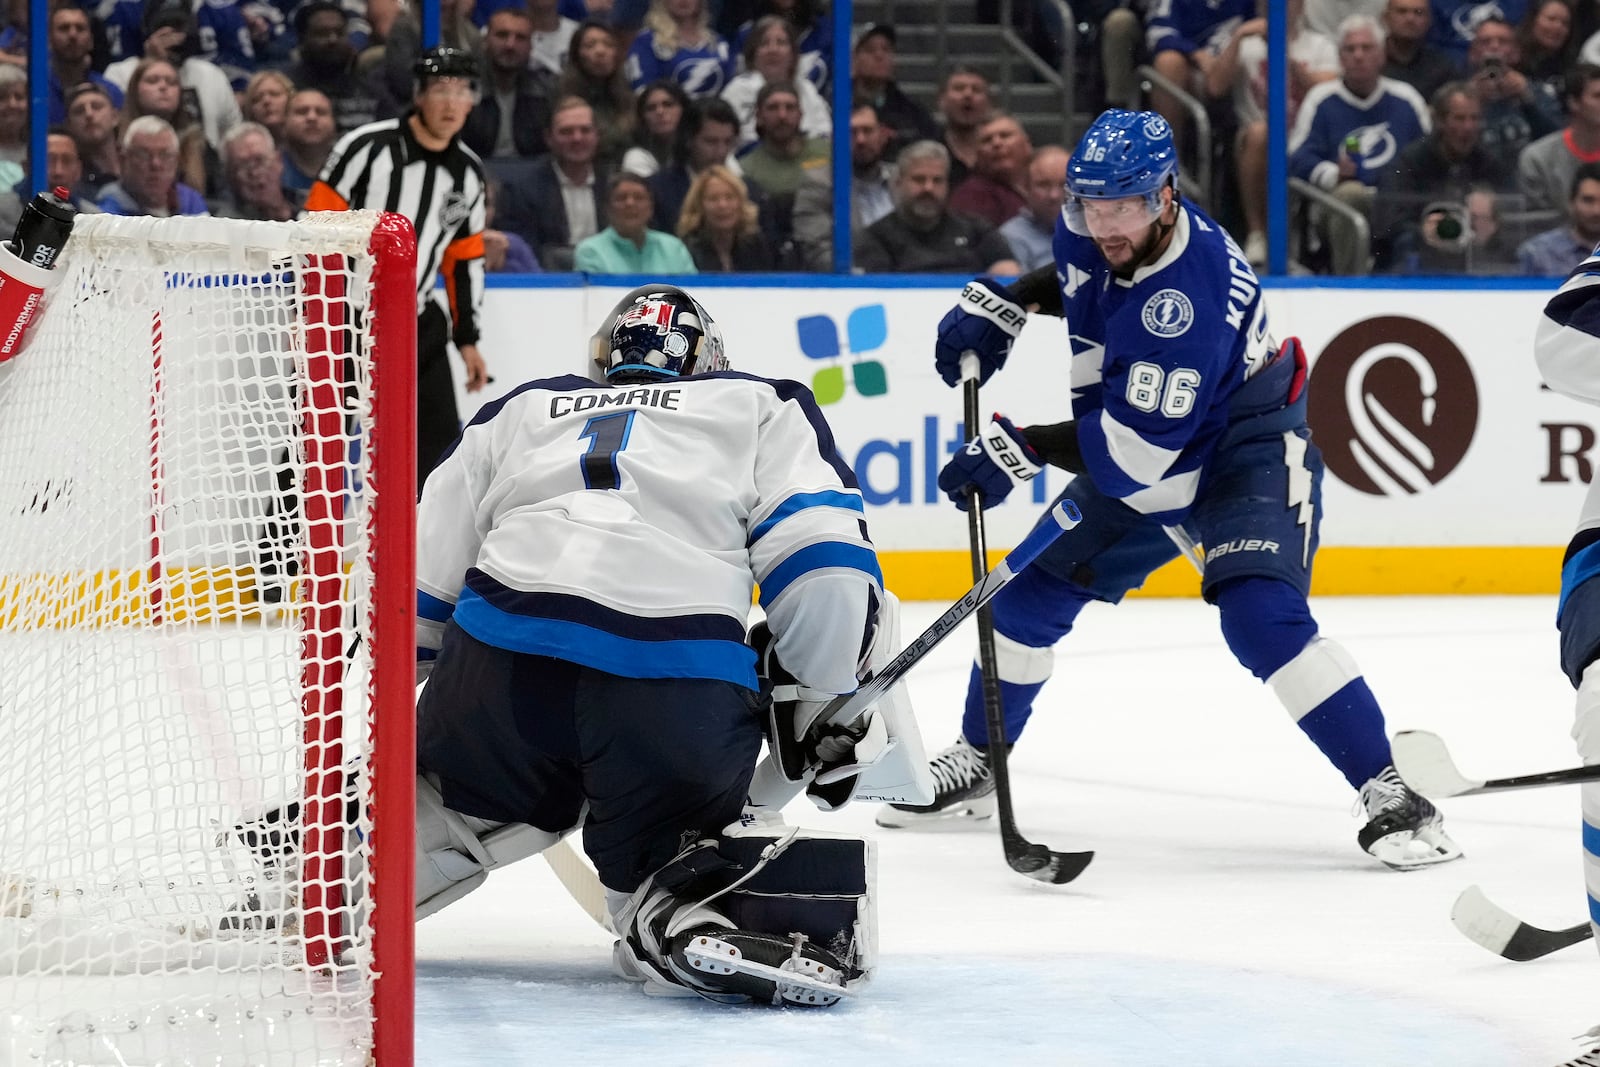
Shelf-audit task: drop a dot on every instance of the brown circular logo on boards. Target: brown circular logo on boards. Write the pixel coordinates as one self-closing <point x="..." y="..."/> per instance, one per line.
<point x="1393" y="405"/>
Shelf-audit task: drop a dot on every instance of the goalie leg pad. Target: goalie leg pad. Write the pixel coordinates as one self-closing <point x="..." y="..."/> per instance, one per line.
<point x="789" y="916"/>
<point x="456" y="852"/>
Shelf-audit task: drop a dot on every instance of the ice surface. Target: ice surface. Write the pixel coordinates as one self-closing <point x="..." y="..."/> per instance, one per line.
<point x="1229" y="918"/>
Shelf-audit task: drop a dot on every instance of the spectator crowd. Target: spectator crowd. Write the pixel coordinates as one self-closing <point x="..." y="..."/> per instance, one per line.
<point x="1425" y="136"/>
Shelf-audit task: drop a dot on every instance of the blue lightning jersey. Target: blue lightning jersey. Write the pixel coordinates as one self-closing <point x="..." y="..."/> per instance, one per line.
<point x="1164" y="363"/>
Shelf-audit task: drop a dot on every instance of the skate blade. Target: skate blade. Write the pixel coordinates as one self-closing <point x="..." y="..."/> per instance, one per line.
<point x="1408" y="851"/>
<point x="968" y="812"/>
<point x="798" y="981"/>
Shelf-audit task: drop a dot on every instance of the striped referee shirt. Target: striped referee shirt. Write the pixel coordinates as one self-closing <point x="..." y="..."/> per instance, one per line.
<point x="382" y="167"/>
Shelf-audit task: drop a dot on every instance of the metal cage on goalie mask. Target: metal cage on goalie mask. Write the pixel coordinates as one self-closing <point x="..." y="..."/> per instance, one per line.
<point x="658" y="331"/>
<point x="1122" y="155"/>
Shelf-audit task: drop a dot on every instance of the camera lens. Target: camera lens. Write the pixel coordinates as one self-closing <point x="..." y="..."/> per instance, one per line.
<point x="1448" y="228"/>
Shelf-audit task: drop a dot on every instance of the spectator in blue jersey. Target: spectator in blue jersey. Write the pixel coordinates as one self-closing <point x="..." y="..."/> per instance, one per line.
<point x="1409" y="56"/>
<point x="628" y="245"/>
<point x="1348" y="133"/>
<point x="150" y="184"/>
<point x="71" y="48"/>
<point x="1189" y="417"/>
<point x="1545" y="168"/>
<point x="1553" y="253"/>
<point x="594" y="74"/>
<point x="328" y="61"/>
<point x="678" y="43"/>
<point x="872" y="80"/>
<point x="1515" y="111"/>
<point x="511" y="116"/>
<point x="226" y="36"/>
<point x="1184" y="38"/>
<point x="770" y="56"/>
<point x="207" y="97"/>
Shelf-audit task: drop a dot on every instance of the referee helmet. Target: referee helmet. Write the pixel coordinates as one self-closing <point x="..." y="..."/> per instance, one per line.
<point x="444" y="62"/>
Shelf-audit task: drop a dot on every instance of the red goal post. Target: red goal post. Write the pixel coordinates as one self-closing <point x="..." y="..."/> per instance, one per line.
<point x="207" y="500"/>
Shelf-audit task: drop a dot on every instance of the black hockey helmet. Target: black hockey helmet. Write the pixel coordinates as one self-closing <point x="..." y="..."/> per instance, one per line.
<point x="657" y="331"/>
<point x="444" y="62"/>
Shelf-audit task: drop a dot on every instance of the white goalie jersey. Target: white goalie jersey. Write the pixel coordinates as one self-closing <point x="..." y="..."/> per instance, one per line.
<point x="625" y="527"/>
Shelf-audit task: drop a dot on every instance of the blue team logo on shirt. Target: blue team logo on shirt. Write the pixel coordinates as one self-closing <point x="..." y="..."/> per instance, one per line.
<point x="1168" y="313"/>
<point x="700" y="76"/>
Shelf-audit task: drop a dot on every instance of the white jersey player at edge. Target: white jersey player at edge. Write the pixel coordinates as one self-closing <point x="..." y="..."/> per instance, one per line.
<point x="587" y="555"/>
<point x="1567" y="349"/>
<point x="1185" y="415"/>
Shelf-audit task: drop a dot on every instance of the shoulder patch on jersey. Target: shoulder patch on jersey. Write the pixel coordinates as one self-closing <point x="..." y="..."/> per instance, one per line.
<point x="1168" y="313"/>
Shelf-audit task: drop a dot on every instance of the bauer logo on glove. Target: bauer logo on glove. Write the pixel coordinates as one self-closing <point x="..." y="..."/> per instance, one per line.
<point x="989" y="466"/>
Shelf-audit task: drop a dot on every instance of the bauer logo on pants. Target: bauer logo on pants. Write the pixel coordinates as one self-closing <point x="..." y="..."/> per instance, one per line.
<point x="1393" y="405"/>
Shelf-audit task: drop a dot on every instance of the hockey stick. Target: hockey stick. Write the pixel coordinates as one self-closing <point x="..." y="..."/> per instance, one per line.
<point x="1025" y="857"/>
<point x="1424" y="762"/>
<point x="584" y="887"/>
<point x="1497" y="930"/>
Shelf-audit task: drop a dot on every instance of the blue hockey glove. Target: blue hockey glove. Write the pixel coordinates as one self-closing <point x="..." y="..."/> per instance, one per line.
<point x="990" y="464"/>
<point x="986" y="320"/>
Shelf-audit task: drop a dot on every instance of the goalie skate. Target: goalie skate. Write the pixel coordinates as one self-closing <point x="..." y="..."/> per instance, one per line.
<point x="764" y="967"/>
<point x="1404" y="830"/>
<point x="963" y="791"/>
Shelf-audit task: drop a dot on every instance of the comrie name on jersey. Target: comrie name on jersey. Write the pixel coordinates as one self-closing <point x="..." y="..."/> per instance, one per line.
<point x="576" y="403"/>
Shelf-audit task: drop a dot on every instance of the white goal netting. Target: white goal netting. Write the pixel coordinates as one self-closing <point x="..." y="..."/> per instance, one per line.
<point x="190" y="570"/>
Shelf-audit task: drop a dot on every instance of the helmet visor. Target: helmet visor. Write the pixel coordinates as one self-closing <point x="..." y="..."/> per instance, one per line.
<point x="1126" y="216"/>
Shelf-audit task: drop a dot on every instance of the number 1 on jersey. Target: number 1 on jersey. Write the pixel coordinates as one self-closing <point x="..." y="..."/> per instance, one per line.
<point x="608" y="435"/>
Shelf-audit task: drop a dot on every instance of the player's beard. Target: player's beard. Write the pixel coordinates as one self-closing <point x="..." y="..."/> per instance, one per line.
<point x="1141" y="252"/>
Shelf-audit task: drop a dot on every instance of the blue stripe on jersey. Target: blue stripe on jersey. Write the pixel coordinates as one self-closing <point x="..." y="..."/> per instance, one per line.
<point x="431" y="607"/>
<point x="709" y="626"/>
<point x="663" y="655"/>
<point x="1591" y="839"/>
<point x="821" y="556"/>
<point x="828" y="498"/>
<point x="1594" y="909"/>
<point x="1584" y="564"/>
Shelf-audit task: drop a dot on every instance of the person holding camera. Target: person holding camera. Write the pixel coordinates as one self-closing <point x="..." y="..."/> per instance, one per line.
<point x="1515" y="113"/>
<point x="1435" y="210"/>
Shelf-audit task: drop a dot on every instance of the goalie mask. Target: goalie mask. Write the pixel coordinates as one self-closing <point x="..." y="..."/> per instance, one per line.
<point x="658" y="331"/>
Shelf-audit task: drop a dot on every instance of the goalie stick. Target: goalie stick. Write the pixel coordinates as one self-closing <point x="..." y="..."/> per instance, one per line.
<point x="1486" y="923"/>
<point x="1424" y="762"/>
<point x="1025" y="857"/>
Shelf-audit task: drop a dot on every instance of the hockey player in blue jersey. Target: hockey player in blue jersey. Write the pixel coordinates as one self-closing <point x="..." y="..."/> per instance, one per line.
<point x="1187" y="415"/>
<point x="586" y="556"/>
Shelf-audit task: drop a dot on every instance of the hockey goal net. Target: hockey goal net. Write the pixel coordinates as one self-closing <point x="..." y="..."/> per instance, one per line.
<point x="206" y="499"/>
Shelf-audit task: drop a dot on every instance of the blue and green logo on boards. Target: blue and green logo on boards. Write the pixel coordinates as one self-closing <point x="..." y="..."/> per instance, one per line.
<point x="866" y="329"/>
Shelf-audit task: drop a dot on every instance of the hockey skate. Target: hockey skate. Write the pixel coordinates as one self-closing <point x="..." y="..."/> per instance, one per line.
<point x="963" y="789"/>
<point x="1403" y="831"/>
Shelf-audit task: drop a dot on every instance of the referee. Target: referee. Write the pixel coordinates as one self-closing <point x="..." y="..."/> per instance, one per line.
<point x="417" y="166"/>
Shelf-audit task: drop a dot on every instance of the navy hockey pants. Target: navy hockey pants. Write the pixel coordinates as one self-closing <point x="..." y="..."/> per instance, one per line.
<point x="521" y="738"/>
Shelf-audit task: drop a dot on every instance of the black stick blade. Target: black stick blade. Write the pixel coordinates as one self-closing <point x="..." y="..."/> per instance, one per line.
<point x="1043" y="865"/>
